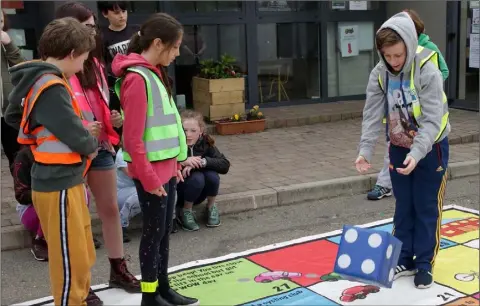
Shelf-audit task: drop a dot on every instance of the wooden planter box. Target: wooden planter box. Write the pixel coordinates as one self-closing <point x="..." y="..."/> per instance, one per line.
<point x="219" y="98"/>
<point x="242" y="127"/>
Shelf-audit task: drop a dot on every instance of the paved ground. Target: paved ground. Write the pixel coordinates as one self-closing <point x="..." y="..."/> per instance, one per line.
<point x="285" y="156"/>
<point x="24" y="279"/>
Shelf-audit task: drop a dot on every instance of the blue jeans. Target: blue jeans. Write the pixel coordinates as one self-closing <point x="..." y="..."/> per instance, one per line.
<point x="103" y="161"/>
<point x="197" y="187"/>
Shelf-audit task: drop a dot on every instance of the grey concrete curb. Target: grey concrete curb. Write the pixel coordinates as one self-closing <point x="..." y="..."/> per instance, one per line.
<point x="319" y="190"/>
<point x="15" y="237"/>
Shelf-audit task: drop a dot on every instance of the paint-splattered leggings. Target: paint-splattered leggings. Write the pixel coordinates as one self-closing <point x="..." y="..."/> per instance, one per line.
<point x="157" y="214"/>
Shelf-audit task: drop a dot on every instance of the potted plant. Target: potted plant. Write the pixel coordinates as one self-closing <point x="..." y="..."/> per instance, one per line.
<point x="219" y="89"/>
<point x="250" y="122"/>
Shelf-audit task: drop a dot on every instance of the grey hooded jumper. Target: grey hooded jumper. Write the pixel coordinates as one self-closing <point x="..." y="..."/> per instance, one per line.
<point x="429" y="88"/>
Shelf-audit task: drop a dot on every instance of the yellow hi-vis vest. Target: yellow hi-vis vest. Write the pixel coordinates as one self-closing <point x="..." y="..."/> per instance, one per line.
<point x="423" y="55"/>
<point x="164" y="137"/>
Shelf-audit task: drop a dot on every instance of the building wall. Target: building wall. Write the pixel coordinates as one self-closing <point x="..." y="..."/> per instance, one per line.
<point x="435" y="21"/>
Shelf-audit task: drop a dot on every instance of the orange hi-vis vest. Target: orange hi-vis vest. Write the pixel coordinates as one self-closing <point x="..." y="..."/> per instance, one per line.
<point x="46" y="148"/>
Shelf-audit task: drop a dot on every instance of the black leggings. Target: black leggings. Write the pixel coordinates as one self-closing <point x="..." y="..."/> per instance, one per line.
<point x="157" y="217"/>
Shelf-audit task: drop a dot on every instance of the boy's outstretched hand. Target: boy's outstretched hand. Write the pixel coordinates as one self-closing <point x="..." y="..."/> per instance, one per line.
<point x="362" y="165"/>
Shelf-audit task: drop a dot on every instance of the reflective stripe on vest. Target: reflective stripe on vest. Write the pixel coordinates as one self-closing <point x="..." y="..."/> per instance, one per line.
<point x="86" y="112"/>
<point x="46" y="148"/>
<point x="164" y="137"/>
<point x="102" y="82"/>
<point x="423" y="55"/>
<point x="45" y="81"/>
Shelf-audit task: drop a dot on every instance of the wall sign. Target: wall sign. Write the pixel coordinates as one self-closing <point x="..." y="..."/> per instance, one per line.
<point x="358" y="5"/>
<point x="348" y="38"/>
<point x="474" y="51"/>
<point x="338" y="5"/>
<point x="476" y="21"/>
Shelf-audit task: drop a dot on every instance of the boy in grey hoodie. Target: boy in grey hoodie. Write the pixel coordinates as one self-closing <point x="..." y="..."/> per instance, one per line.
<point x="383" y="186"/>
<point x="407" y="89"/>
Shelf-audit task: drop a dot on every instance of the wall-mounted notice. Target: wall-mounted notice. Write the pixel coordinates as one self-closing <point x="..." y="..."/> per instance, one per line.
<point x="476" y="21"/>
<point x="338" y="5"/>
<point x="474" y="54"/>
<point x="348" y="40"/>
<point x="358" y="5"/>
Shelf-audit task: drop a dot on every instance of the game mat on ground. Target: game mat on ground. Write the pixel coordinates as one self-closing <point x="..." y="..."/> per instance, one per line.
<point x="299" y="272"/>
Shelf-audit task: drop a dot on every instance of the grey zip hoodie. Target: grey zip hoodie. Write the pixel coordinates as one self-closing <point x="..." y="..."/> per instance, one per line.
<point x="429" y="88"/>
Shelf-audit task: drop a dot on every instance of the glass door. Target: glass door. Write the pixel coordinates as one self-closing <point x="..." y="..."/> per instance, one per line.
<point x="288" y="66"/>
<point x="467" y="96"/>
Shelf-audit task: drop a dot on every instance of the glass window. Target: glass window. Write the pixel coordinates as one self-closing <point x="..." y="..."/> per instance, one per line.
<point x="286" y="6"/>
<point x="288" y="62"/>
<point x="225" y="6"/>
<point x="144" y="6"/>
<point x="205" y="6"/>
<point x="348" y="75"/>
<point x="276" y="6"/>
<point x="25" y="40"/>
<point x="182" y="6"/>
<point x="354" y="5"/>
<point x="306" y="5"/>
<point x="207" y="42"/>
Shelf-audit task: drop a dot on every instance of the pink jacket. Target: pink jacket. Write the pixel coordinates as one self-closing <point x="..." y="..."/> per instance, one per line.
<point x="84" y="98"/>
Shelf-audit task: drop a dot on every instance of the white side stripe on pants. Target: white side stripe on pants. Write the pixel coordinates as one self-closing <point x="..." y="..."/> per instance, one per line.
<point x="64" y="246"/>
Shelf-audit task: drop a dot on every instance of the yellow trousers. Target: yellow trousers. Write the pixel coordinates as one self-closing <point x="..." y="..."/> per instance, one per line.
<point x="66" y="225"/>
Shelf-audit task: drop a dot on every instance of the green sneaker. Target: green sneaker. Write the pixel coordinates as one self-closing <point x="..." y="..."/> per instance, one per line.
<point x="213" y="216"/>
<point x="188" y="221"/>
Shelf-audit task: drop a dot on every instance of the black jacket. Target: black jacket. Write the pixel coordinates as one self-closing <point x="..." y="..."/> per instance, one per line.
<point x="216" y="161"/>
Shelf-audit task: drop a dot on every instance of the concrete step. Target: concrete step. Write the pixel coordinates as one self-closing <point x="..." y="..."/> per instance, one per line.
<point x="16" y="237"/>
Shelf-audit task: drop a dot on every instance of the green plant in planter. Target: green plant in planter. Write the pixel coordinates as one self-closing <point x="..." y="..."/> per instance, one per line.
<point x="222" y="69"/>
<point x="252" y="114"/>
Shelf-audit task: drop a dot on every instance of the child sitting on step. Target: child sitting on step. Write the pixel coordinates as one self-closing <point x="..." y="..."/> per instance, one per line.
<point x="128" y="202"/>
<point x="22" y="183"/>
<point x="201" y="173"/>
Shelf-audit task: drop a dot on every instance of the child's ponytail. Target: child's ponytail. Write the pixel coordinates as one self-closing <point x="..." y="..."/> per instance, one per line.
<point x="134" y="46"/>
<point x="159" y="25"/>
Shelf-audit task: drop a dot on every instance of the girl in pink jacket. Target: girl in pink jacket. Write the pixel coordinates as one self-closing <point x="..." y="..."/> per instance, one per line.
<point x="90" y="88"/>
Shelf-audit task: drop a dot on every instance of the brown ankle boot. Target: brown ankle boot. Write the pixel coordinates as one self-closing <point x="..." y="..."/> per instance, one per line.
<point x="93" y="299"/>
<point x="121" y="278"/>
